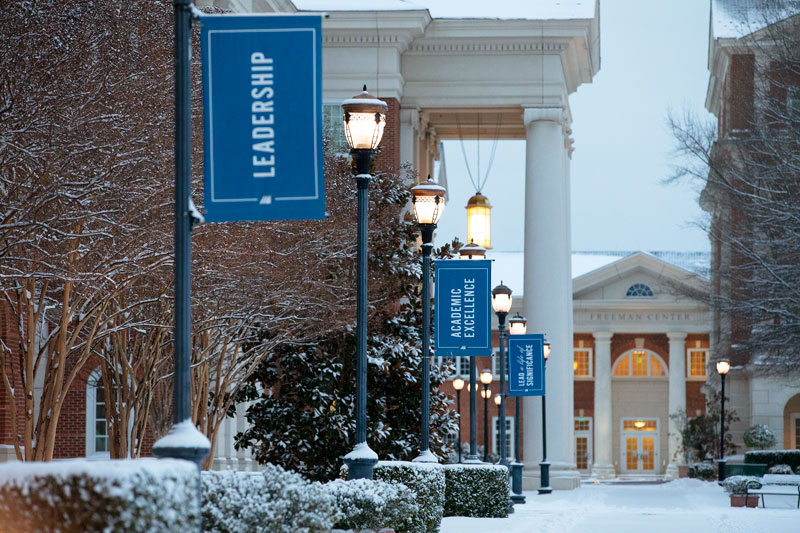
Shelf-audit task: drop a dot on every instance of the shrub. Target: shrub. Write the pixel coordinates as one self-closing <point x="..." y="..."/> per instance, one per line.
<point x="704" y="471"/>
<point x="368" y="504"/>
<point x="774" y="457"/>
<point x="277" y="501"/>
<point x="780" y="469"/>
<point x="759" y="436"/>
<point x="476" y="490"/>
<point x="427" y="482"/>
<point x="142" y="495"/>
<point x="738" y="484"/>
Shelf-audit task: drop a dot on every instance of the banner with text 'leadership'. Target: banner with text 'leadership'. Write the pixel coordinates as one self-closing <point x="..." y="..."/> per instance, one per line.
<point x="462" y="324"/>
<point x="526" y="365"/>
<point x="262" y="109"/>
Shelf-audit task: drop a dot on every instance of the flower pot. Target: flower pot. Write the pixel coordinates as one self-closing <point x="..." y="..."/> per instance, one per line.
<point x="683" y="470"/>
<point x="738" y="500"/>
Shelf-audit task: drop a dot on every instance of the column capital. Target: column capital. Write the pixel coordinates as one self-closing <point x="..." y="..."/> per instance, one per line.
<point x="676" y="336"/>
<point x="602" y="336"/>
<point x="546" y="114"/>
<point x="410" y="115"/>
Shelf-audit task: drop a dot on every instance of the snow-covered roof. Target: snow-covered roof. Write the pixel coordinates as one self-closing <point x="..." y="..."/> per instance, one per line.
<point x="508" y="267"/>
<point x="497" y="9"/>
<point x="732" y="19"/>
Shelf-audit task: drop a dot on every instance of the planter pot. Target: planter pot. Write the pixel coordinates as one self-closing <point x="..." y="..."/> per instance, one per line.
<point x="683" y="470"/>
<point x="737" y="500"/>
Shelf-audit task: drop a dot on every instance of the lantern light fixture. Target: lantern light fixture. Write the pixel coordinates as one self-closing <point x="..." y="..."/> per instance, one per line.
<point x="486" y="394"/>
<point x="546" y="350"/>
<point x="472" y="251"/>
<point x="498" y="400"/>
<point x="517" y="325"/>
<point x="364" y="121"/>
<point x="458" y="383"/>
<point x="723" y="366"/>
<point x="639" y="424"/>
<point x="479" y="220"/>
<point x="501" y="299"/>
<point x="428" y="201"/>
<point x="486" y="376"/>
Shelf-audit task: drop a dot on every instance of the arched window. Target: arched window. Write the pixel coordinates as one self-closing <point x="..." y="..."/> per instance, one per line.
<point x="96" y="421"/>
<point x="639" y="290"/>
<point x="639" y="363"/>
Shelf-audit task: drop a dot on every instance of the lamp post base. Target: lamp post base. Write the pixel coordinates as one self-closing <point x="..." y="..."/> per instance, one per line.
<point x="516" y="483"/>
<point x="472" y="460"/>
<point x="425" y="457"/>
<point x="544" y="467"/>
<point x="360" y="462"/>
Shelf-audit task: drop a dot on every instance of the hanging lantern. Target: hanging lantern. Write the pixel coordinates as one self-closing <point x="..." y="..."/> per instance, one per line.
<point x="479" y="221"/>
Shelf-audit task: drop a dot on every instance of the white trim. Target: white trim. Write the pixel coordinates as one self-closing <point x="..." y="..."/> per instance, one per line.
<point x="509" y="436"/>
<point x="630" y="366"/>
<point x="689" y="376"/>
<point x="91" y="417"/>
<point x="590" y="376"/>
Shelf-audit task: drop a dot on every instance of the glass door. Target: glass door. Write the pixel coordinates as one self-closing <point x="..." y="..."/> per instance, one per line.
<point x="583" y="443"/>
<point x="639" y="446"/>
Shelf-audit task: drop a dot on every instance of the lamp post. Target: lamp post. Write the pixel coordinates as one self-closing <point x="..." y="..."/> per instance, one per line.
<point x="517" y="325"/>
<point x="428" y="202"/>
<point x="723" y="366"/>
<point x="486" y="379"/>
<point x="364" y="120"/>
<point x="544" y="466"/>
<point x="498" y="401"/>
<point x="501" y="303"/>
<point x="458" y="384"/>
<point x="472" y="251"/>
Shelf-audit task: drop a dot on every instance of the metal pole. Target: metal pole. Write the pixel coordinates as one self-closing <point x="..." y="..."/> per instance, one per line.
<point x="425" y="456"/>
<point x="516" y="429"/>
<point x="501" y="326"/>
<point x="485" y="423"/>
<point x="516" y="466"/>
<point x="721" y="464"/>
<point x="458" y="410"/>
<point x="472" y="457"/>
<point x="363" y="460"/>
<point x="544" y="466"/>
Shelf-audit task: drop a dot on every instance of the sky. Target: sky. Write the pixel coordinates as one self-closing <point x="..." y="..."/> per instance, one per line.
<point x="653" y="60"/>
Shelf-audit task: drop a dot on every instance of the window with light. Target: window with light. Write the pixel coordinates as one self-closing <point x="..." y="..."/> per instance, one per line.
<point x="639" y="363"/>
<point x="696" y="364"/>
<point x="582" y="364"/>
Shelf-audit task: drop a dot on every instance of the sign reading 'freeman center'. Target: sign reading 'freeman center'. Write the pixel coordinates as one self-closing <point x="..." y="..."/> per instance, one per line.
<point x="262" y="96"/>
<point x="462" y="322"/>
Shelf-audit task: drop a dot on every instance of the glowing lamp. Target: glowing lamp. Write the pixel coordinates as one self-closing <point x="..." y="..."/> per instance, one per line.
<point x="486" y="376"/>
<point x="479" y="220"/>
<point x="428" y="201"/>
<point x="546" y="350"/>
<point x="723" y="366"/>
<point x="501" y="298"/>
<point x="639" y="424"/>
<point x="517" y="325"/>
<point x="364" y="120"/>
<point x="498" y="400"/>
<point x="486" y="394"/>
<point x="458" y="383"/>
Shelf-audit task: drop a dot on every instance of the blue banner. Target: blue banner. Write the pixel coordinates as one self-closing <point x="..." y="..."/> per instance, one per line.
<point x="463" y="320"/>
<point x="526" y="365"/>
<point x="262" y="100"/>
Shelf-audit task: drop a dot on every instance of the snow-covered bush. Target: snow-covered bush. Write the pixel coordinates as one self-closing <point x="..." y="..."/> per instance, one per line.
<point x="774" y="457"/>
<point x="759" y="436"/>
<point x="476" y="490"/>
<point x="142" y="495"/>
<point x="427" y="482"/>
<point x="738" y="484"/>
<point x="704" y="471"/>
<point x="277" y="501"/>
<point x="780" y="469"/>
<point x="369" y="504"/>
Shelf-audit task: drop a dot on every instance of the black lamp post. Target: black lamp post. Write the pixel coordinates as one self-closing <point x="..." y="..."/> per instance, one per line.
<point x="472" y="251"/>
<point x="364" y="120"/>
<point x="544" y="466"/>
<point x="498" y="401"/>
<point x="458" y="384"/>
<point x="517" y="325"/>
<point x="723" y="366"/>
<point x="486" y="379"/>
<point x="501" y="303"/>
<point x="428" y="201"/>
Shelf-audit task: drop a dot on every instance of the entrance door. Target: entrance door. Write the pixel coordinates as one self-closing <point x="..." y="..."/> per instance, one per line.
<point x="583" y="443"/>
<point x="639" y="445"/>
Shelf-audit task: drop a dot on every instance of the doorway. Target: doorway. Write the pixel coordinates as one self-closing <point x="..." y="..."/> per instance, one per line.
<point x="639" y="445"/>
<point x="583" y="444"/>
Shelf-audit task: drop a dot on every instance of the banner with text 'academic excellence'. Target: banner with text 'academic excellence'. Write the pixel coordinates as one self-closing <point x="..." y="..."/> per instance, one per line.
<point x="462" y="324"/>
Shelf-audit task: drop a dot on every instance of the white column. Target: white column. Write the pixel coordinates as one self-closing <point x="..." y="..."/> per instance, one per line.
<point x="548" y="294"/>
<point x="677" y="397"/>
<point x="409" y="135"/>
<point x="603" y="466"/>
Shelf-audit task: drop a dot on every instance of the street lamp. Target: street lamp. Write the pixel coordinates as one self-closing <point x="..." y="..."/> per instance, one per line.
<point x="475" y="252"/>
<point x="544" y="466"/>
<point x="723" y="366"/>
<point x="458" y="384"/>
<point x="517" y="325"/>
<point x="364" y="120"/>
<point x="501" y="303"/>
<point x="428" y="201"/>
<point x="486" y="379"/>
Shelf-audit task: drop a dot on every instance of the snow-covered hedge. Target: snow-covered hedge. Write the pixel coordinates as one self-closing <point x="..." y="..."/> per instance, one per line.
<point x="780" y="469"/>
<point x="369" y="504"/>
<point x="774" y="457"/>
<point x="142" y="495"/>
<point x="426" y="481"/>
<point x="476" y="490"/>
<point x="704" y="471"/>
<point x="759" y="436"/>
<point x="738" y="484"/>
<point x="277" y="500"/>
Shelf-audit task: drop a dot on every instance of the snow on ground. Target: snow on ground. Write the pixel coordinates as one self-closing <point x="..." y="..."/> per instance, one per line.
<point x="681" y="506"/>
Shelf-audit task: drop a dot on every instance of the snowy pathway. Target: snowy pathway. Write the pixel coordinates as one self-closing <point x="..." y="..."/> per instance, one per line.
<point x="683" y="506"/>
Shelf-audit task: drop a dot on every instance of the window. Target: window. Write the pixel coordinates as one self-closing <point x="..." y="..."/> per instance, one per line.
<point x="333" y="127"/>
<point x="696" y="361"/>
<point x="639" y="290"/>
<point x="96" y="421"/>
<point x="460" y="365"/>
<point x="639" y="363"/>
<point x="509" y="436"/>
<point x="582" y="365"/>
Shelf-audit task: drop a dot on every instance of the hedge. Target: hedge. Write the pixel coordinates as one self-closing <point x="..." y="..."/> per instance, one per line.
<point x="142" y="495"/>
<point x="704" y="471"/>
<point x="370" y="504"/>
<point x="774" y="457"/>
<point x="427" y="482"/>
<point x="476" y="490"/>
